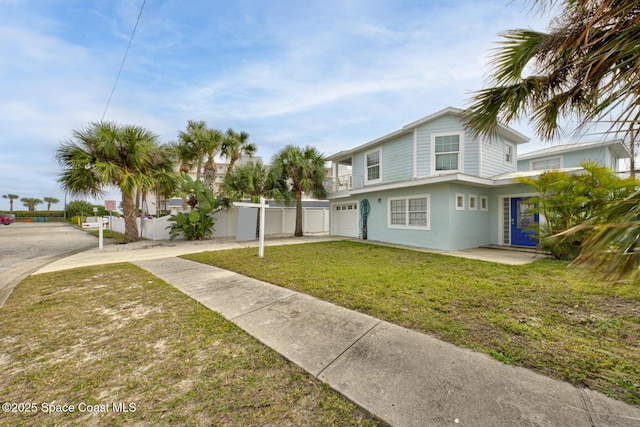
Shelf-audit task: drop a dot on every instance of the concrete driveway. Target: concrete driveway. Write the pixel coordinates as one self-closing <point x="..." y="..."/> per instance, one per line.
<point x="25" y="247"/>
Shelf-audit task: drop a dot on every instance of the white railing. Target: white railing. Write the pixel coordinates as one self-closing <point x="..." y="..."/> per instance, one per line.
<point x="344" y="183"/>
<point x="277" y="221"/>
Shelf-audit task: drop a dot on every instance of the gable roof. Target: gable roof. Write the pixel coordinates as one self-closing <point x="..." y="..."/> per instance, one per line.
<point x="616" y="145"/>
<point x="504" y="131"/>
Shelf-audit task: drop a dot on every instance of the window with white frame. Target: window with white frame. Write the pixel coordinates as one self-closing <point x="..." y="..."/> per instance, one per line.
<point x="546" y="164"/>
<point x="410" y="212"/>
<point x="447" y="152"/>
<point x="459" y="201"/>
<point x="372" y="159"/>
<point x="473" y="202"/>
<point x="484" y="203"/>
<point x="508" y="153"/>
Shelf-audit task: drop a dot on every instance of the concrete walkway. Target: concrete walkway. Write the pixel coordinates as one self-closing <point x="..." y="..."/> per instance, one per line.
<point x="403" y="377"/>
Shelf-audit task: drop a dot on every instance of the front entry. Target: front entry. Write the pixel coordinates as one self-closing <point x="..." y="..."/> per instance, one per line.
<point x="523" y="222"/>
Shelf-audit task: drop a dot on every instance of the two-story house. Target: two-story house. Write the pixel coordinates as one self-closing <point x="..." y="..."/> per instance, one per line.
<point x="433" y="184"/>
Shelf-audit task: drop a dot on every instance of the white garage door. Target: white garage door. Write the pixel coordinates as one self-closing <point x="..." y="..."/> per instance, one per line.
<point x="344" y="219"/>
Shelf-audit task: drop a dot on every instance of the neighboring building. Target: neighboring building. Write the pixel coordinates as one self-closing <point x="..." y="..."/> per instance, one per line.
<point x="433" y="184"/>
<point x="607" y="153"/>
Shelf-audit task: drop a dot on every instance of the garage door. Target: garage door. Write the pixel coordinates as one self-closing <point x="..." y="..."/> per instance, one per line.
<point x="344" y="219"/>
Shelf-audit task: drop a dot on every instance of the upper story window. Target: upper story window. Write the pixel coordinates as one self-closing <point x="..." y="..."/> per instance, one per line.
<point x="508" y="153"/>
<point x="447" y="152"/>
<point x="372" y="159"/>
<point x="546" y="164"/>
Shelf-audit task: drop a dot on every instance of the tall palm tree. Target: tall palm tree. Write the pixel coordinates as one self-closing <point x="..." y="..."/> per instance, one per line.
<point x="253" y="180"/>
<point x="212" y="141"/>
<point x="585" y="67"/>
<point x="50" y="201"/>
<point x="109" y="155"/>
<point x="236" y="145"/>
<point x="31" y="203"/>
<point x="184" y="152"/>
<point x="304" y="171"/>
<point x="194" y="135"/>
<point x="11" y="198"/>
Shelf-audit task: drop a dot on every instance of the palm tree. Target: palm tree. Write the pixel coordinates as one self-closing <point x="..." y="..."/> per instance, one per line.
<point x="50" y="201"/>
<point x="253" y="180"/>
<point x="584" y="68"/>
<point x="184" y="152"/>
<point x="31" y="203"/>
<point x="104" y="155"/>
<point x="194" y="136"/>
<point x="304" y="171"/>
<point x="212" y="141"/>
<point x="11" y="198"/>
<point x="612" y="246"/>
<point x="235" y="146"/>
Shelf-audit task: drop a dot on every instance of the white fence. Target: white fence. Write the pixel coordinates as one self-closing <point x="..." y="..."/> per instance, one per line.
<point x="277" y="221"/>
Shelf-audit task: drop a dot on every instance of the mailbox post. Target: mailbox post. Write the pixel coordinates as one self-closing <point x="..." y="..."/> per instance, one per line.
<point x="261" y="206"/>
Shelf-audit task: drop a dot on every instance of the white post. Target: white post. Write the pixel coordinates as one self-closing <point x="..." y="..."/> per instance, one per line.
<point x="263" y="212"/>
<point x="100" y="233"/>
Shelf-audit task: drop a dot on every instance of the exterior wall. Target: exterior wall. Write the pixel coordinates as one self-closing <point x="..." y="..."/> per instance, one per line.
<point x="600" y="155"/>
<point x="572" y="159"/>
<point x="493" y="157"/>
<point x="397" y="156"/>
<point x="397" y="159"/>
<point x="357" y="169"/>
<point x="444" y="124"/>
<point x="450" y="229"/>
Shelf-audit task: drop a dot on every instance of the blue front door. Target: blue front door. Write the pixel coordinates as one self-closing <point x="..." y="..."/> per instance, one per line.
<point x="524" y="222"/>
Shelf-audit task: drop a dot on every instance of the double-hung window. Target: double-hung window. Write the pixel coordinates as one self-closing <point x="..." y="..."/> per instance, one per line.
<point x="372" y="159"/>
<point x="447" y="152"/>
<point x="508" y="153"/>
<point x="410" y="213"/>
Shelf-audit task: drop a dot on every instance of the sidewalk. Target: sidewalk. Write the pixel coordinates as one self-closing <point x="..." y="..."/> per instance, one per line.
<point x="403" y="377"/>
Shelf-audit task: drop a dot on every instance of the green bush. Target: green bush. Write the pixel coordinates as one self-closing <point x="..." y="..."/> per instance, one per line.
<point x="566" y="200"/>
<point x="198" y="223"/>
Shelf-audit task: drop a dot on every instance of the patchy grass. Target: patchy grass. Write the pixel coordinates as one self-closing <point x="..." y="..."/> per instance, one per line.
<point x="544" y="316"/>
<point x="115" y="334"/>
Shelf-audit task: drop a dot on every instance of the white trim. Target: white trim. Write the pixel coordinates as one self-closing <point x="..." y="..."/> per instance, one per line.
<point x="501" y="213"/>
<point x="406" y="226"/>
<point x="480" y="148"/>
<point x="460" y="152"/>
<point x="415" y="152"/>
<point x="459" y="198"/>
<point x="368" y="181"/>
<point x="473" y="197"/>
<point x="484" y="200"/>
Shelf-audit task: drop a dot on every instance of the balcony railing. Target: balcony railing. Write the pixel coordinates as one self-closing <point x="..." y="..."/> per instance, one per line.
<point x="344" y="183"/>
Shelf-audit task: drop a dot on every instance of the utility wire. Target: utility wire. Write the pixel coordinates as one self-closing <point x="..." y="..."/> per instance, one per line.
<point x="113" y="89"/>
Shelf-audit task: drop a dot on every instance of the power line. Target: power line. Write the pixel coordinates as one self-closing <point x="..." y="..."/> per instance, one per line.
<point x="113" y="89"/>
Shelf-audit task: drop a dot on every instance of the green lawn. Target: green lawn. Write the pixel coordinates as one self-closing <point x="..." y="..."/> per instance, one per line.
<point x="115" y="334"/>
<point x="545" y="316"/>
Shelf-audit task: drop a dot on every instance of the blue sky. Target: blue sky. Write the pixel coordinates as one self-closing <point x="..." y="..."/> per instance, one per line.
<point x="332" y="74"/>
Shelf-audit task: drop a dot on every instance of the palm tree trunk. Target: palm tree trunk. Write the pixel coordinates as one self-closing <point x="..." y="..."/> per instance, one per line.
<point x="210" y="174"/>
<point x="298" y="232"/>
<point x="130" y="226"/>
